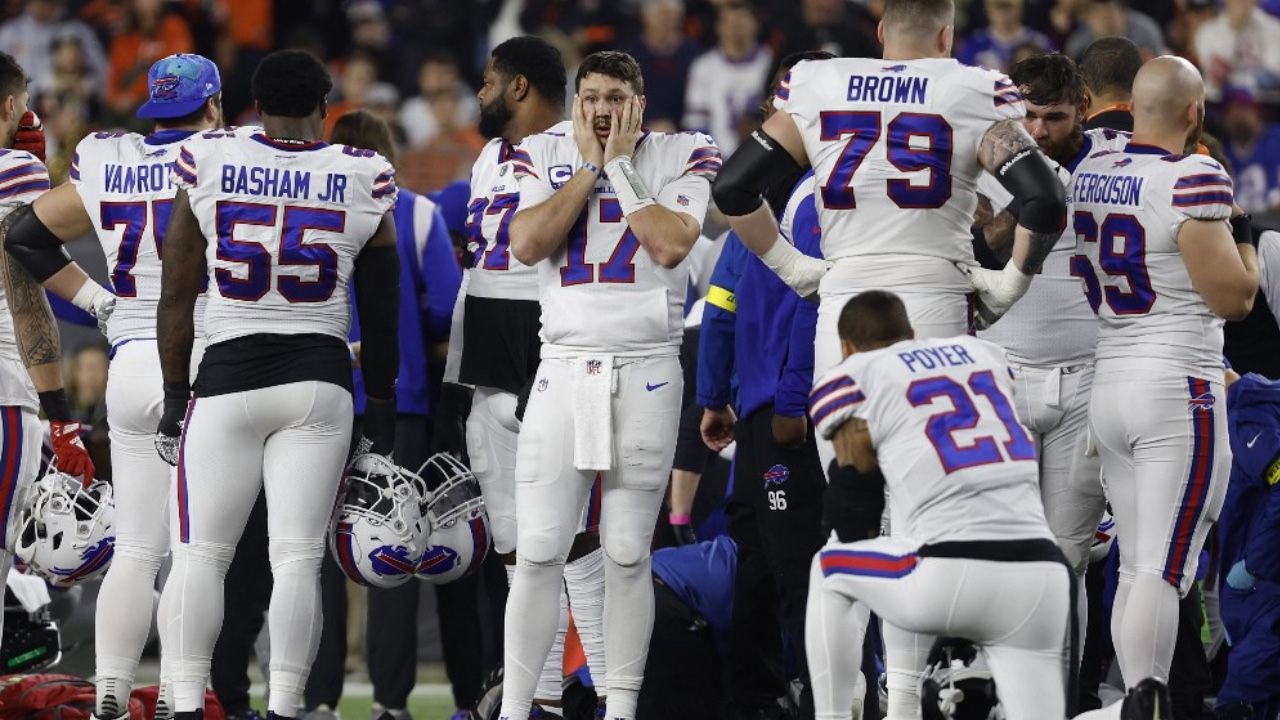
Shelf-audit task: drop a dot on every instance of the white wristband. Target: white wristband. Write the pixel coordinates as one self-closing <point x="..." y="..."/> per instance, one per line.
<point x="87" y="296"/>
<point x="799" y="271"/>
<point x="627" y="184"/>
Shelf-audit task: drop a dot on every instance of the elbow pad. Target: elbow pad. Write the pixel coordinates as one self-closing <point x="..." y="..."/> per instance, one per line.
<point x="378" y="302"/>
<point x="1040" y="199"/>
<point x="749" y="172"/>
<point x="33" y="245"/>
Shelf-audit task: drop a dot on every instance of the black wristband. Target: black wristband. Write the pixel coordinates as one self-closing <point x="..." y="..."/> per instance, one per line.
<point x="55" y="405"/>
<point x="1242" y="230"/>
<point x="380" y="424"/>
<point x="175" y="391"/>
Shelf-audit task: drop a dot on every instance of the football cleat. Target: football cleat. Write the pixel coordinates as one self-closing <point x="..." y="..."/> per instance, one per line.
<point x="1148" y="700"/>
<point x="379" y="530"/>
<point x="459" y="539"/>
<point x="66" y="531"/>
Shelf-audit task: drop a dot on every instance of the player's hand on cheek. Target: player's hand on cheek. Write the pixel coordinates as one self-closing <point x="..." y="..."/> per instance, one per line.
<point x="584" y="133"/>
<point x="624" y="130"/>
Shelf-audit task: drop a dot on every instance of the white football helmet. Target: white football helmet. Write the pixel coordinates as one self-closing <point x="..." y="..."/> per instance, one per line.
<point x="66" y="532"/>
<point x="379" y="529"/>
<point x="459" y="537"/>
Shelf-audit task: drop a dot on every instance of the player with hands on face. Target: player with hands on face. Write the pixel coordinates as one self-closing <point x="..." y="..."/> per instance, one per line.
<point x="608" y="212"/>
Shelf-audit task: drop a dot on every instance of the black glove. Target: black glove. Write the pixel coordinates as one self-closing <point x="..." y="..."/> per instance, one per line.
<point x="378" y="433"/>
<point x="169" y="431"/>
<point x="684" y="534"/>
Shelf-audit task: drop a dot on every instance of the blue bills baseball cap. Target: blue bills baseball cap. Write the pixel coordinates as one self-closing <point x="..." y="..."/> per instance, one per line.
<point x="179" y="85"/>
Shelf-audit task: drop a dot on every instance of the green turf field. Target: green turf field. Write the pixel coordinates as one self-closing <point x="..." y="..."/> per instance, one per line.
<point x="422" y="706"/>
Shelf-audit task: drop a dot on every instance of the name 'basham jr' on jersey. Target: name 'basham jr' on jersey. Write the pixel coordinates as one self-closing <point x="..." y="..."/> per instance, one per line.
<point x="285" y="222"/>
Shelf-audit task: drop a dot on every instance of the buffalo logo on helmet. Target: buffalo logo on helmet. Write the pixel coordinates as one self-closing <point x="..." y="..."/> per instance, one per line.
<point x="437" y="560"/>
<point x="776" y="475"/>
<point x="94" y="558"/>
<point x="391" y="560"/>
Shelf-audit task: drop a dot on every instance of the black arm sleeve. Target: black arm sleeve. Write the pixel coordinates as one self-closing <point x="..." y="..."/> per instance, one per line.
<point x="749" y="172"/>
<point x="377" y="279"/>
<point x="1039" y="197"/>
<point x="34" y="246"/>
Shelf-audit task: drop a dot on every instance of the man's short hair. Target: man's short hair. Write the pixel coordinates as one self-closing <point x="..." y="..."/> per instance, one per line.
<point x="538" y="61"/>
<point x="362" y="129"/>
<point x="290" y="83"/>
<point x="789" y="61"/>
<point x="1049" y="79"/>
<point x="1110" y="64"/>
<point x="919" y="15"/>
<point x="614" y="64"/>
<point x="12" y="78"/>
<point x="874" y="318"/>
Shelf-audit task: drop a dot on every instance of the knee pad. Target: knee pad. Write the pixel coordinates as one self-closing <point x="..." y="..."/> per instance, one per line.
<point x="540" y="549"/>
<point x="295" y="555"/>
<point x="217" y="555"/>
<point x="625" y="552"/>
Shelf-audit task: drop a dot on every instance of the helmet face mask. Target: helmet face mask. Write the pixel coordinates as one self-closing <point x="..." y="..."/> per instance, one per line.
<point x="66" y="532"/>
<point x="379" y="529"/>
<point x="459" y="539"/>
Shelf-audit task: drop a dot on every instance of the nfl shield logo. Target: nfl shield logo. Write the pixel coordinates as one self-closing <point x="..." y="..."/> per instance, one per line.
<point x="682" y="201"/>
<point x="593" y="367"/>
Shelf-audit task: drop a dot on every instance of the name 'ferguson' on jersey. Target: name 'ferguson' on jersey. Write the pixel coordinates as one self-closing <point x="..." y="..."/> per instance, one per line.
<point x="125" y="181"/>
<point x="894" y="148"/>
<point x="600" y="292"/>
<point x="285" y="223"/>
<point x="1128" y="209"/>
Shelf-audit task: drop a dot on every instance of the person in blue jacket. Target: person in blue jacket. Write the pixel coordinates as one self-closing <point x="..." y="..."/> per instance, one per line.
<point x="758" y="327"/>
<point x="429" y="281"/>
<point x="1249" y="543"/>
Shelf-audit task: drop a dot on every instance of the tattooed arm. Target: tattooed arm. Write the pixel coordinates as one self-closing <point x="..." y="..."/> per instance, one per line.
<point x="1009" y="153"/>
<point x="182" y="270"/>
<point x="997" y="229"/>
<point x="34" y="324"/>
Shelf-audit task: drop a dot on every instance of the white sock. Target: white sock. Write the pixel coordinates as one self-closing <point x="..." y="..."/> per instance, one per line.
<point x="294" y="619"/>
<point x="584" y="579"/>
<point x="628" y="624"/>
<point x="833" y="631"/>
<point x="1149" y="629"/>
<point x="122" y="622"/>
<point x="533" y="611"/>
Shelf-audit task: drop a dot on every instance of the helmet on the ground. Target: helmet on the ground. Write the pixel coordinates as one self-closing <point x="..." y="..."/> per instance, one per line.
<point x="459" y="537"/>
<point x="66" y="531"/>
<point x="379" y="530"/>
<point x="951" y="688"/>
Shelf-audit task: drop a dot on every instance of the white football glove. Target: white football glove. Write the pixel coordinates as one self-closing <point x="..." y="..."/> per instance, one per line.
<point x="799" y="271"/>
<point x="97" y="301"/>
<point x="997" y="290"/>
<point x="30" y="590"/>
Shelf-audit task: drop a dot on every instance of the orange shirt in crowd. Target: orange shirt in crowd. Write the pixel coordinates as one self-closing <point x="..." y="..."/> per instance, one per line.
<point x="132" y="54"/>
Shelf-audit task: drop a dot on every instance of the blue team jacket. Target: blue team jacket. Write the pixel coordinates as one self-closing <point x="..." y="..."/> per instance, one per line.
<point x="1249" y="525"/>
<point x="429" y="282"/>
<point x="757" y="325"/>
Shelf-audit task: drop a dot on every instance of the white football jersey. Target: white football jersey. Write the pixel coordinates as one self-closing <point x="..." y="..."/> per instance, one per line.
<point x="23" y="178"/>
<point x="125" y="181"/>
<point x="495" y="194"/>
<point x="958" y="463"/>
<point x="1052" y="325"/>
<point x="601" y="292"/>
<point x="894" y="147"/>
<point x="1128" y="207"/>
<point x="284" y="223"/>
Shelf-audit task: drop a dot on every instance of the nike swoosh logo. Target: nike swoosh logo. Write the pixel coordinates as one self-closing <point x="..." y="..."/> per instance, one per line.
<point x="1254" y="440"/>
<point x="651" y="387"/>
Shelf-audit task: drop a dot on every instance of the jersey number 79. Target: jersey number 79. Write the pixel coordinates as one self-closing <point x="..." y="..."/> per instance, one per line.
<point x="864" y="130"/>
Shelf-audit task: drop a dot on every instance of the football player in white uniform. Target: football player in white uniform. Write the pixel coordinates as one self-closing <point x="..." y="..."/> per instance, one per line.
<point x="28" y="336"/>
<point x="285" y="224"/>
<point x="523" y="94"/>
<point x="1049" y="334"/>
<point x="608" y="212"/>
<point x="121" y="189"/>
<point x="897" y="145"/>
<point x="972" y="555"/>
<point x="1160" y="268"/>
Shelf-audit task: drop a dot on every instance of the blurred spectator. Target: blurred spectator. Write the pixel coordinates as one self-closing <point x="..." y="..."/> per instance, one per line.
<point x="1104" y="18"/>
<point x="69" y="104"/>
<point x="29" y="38"/>
<point x="443" y="101"/>
<point x="1026" y="50"/>
<point x="246" y="33"/>
<point x="1240" y="47"/>
<point x="358" y="75"/>
<point x="1181" y="32"/>
<point x="665" y="54"/>
<point x="87" y="384"/>
<point x="725" y="82"/>
<point x="993" y="46"/>
<point x="153" y="33"/>
<point x="383" y="100"/>
<point x="841" y="28"/>
<point x="1253" y="147"/>
<point x="592" y="24"/>
<point x="371" y="37"/>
